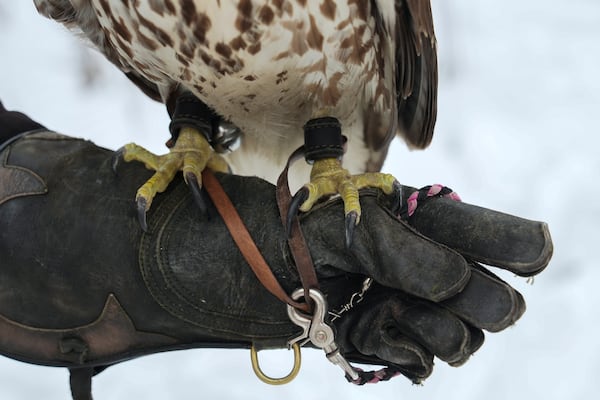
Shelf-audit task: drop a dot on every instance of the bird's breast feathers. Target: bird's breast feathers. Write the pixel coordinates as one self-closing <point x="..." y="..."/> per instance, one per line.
<point x="292" y="58"/>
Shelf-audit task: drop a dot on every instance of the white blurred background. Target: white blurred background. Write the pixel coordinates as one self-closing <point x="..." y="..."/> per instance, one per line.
<point x="518" y="125"/>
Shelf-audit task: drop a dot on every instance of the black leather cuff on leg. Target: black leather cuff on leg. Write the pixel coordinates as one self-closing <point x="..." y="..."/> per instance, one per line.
<point x="190" y="111"/>
<point x="323" y="139"/>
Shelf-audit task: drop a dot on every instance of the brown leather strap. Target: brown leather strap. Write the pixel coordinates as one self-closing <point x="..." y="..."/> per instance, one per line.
<point x="81" y="383"/>
<point x="244" y="241"/>
<point x="296" y="241"/>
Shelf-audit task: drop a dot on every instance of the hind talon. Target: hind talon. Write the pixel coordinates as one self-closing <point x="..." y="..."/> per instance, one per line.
<point x="298" y="199"/>
<point x="351" y="222"/>
<point x="194" y="183"/>
<point x="397" y="197"/>
<point x="142" y="203"/>
<point x="116" y="159"/>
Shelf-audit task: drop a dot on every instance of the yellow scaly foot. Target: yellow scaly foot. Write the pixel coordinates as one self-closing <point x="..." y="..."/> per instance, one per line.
<point x="191" y="154"/>
<point x="328" y="178"/>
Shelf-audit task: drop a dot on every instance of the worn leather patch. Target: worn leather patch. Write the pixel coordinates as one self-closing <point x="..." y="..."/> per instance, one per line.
<point x="190" y="281"/>
<point x="110" y="335"/>
<point x="17" y="181"/>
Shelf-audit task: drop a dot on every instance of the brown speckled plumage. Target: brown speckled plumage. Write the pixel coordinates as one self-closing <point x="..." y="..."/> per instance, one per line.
<point x="271" y="65"/>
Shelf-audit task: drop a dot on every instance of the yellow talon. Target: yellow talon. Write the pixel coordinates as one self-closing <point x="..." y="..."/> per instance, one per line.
<point x="328" y="177"/>
<point x="191" y="154"/>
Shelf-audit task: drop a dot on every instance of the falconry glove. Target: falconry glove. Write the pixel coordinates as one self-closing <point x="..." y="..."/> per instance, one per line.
<point x="84" y="287"/>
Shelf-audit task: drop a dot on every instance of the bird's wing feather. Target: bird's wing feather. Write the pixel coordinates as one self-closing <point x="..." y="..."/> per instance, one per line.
<point x="416" y="71"/>
<point x="85" y="22"/>
<point x="58" y="10"/>
<point x="150" y="89"/>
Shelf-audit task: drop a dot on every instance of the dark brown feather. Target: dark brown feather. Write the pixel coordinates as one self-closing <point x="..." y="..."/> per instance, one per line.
<point x="150" y="89"/>
<point x="416" y="72"/>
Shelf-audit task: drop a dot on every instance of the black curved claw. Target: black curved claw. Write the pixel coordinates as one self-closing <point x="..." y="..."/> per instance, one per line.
<point x="397" y="197"/>
<point x="194" y="184"/>
<point x="299" y="198"/>
<point x="351" y="219"/>
<point x="116" y="159"/>
<point x="141" y="211"/>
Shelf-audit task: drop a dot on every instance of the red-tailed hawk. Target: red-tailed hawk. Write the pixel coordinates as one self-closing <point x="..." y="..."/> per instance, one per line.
<point x="271" y="66"/>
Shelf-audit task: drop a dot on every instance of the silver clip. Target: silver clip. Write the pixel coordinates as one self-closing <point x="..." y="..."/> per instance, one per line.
<point x="304" y="321"/>
<point x="315" y="329"/>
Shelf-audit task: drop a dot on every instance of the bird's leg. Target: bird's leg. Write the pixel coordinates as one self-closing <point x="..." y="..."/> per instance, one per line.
<point x="324" y="149"/>
<point x="191" y="154"/>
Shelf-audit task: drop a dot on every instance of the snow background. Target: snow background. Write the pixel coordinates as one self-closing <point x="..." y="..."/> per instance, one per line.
<point x="518" y="119"/>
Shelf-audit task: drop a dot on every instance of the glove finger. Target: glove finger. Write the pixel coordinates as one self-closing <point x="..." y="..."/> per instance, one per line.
<point x="384" y="346"/>
<point x="502" y="307"/>
<point x="406" y="260"/>
<point x="435" y="328"/>
<point x="519" y="245"/>
<point x="408" y="332"/>
<point x="386" y="249"/>
<point x="477" y="339"/>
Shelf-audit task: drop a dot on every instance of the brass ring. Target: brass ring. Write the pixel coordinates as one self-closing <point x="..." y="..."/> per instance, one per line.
<point x="277" y="381"/>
